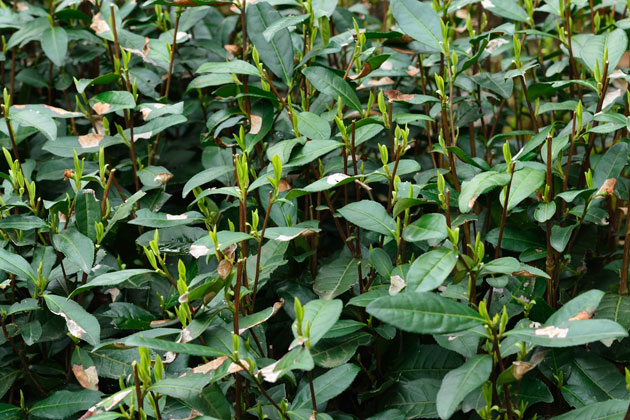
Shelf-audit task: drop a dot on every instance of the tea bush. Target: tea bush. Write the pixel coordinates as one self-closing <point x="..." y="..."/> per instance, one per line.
<point x="314" y="209"/>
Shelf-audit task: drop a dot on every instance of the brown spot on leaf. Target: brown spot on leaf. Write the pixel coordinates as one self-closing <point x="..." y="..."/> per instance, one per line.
<point x="210" y="366"/>
<point x="284" y="185"/>
<point x="367" y="69"/>
<point x="521" y="368"/>
<point x="608" y="187"/>
<point x="395" y="95"/>
<point x="58" y="111"/>
<point x="101" y="108"/>
<point x="163" y="178"/>
<point x="582" y="315"/>
<point x="90" y="140"/>
<point x="88" y="378"/>
<point x="256" y="123"/>
<point x="225" y="268"/>
<point x="233" y="49"/>
<point x="99" y="25"/>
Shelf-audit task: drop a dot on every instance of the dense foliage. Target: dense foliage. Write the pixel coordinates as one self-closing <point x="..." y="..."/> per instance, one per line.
<point x="314" y="209"/>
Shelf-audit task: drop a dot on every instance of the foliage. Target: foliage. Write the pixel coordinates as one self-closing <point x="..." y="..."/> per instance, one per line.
<point x="314" y="209"/>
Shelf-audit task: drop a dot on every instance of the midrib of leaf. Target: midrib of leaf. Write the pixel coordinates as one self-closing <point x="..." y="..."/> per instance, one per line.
<point x="470" y="372"/>
<point x="370" y="216"/>
<point x="338" y="283"/>
<point x="67" y="239"/>
<point x="420" y="23"/>
<point x="436" y="313"/>
<point x="339" y="91"/>
<point x="581" y="369"/>
<point x="18" y="268"/>
<point x="273" y="44"/>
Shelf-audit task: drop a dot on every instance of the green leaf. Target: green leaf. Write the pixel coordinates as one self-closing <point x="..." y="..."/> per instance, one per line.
<point x="611" y="164"/>
<point x="430" y="270"/>
<point x="616" y="308"/>
<point x="429" y="226"/>
<point x="369" y="215"/>
<point x="424" y="313"/>
<point x="107" y="102"/>
<point x="276" y="54"/>
<point x="80" y="323"/>
<point x="570" y="333"/>
<point x="321" y="316"/>
<point x="327" y="82"/>
<point x="545" y="211"/>
<point x="41" y="122"/>
<point x="103" y="79"/>
<point x="298" y="358"/>
<point x="122" y="211"/>
<point x="211" y="402"/>
<point x="63" y="404"/>
<point x="110" y="279"/>
<point x="184" y="387"/>
<point x="460" y="382"/>
<point x="183" y="348"/>
<point x="508" y="9"/>
<point x="16" y="264"/>
<point x="148" y="218"/>
<point x="55" y="44"/>
<point x="313" y="126"/>
<point x="283" y="23"/>
<point x="514" y="239"/>
<point x="229" y="67"/>
<point x="607" y="410"/>
<point x="419" y="21"/>
<point x="326" y="386"/>
<point x="78" y="248"/>
<point x="87" y="212"/>
<point x="524" y="183"/>
<point x="204" y="177"/>
<point x="593" y="379"/>
<point x="560" y="236"/>
<point x="10" y="412"/>
<point x="336" y="277"/>
<point x="590" y="48"/>
<point x="504" y="265"/>
<point x="22" y="222"/>
<point x="330" y="353"/>
<point x="480" y="184"/>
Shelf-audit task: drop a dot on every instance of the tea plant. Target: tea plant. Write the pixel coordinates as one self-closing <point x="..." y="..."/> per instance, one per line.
<point x="315" y="209"/>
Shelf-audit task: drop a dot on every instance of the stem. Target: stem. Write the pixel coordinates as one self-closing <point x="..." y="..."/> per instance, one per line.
<point x="136" y="381"/>
<point x="128" y="116"/>
<point x="106" y="193"/>
<point x="262" y="235"/>
<point x="623" y="281"/>
<point x="310" y="384"/>
<point x="168" y="82"/>
<point x="591" y="138"/>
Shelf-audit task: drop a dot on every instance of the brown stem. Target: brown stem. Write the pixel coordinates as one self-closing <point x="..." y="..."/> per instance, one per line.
<point x="532" y="114"/>
<point x="262" y="235"/>
<point x="136" y="381"/>
<point x="310" y="384"/>
<point x="586" y="163"/>
<point x="623" y="281"/>
<point x="169" y="76"/>
<point x="106" y="193"/>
